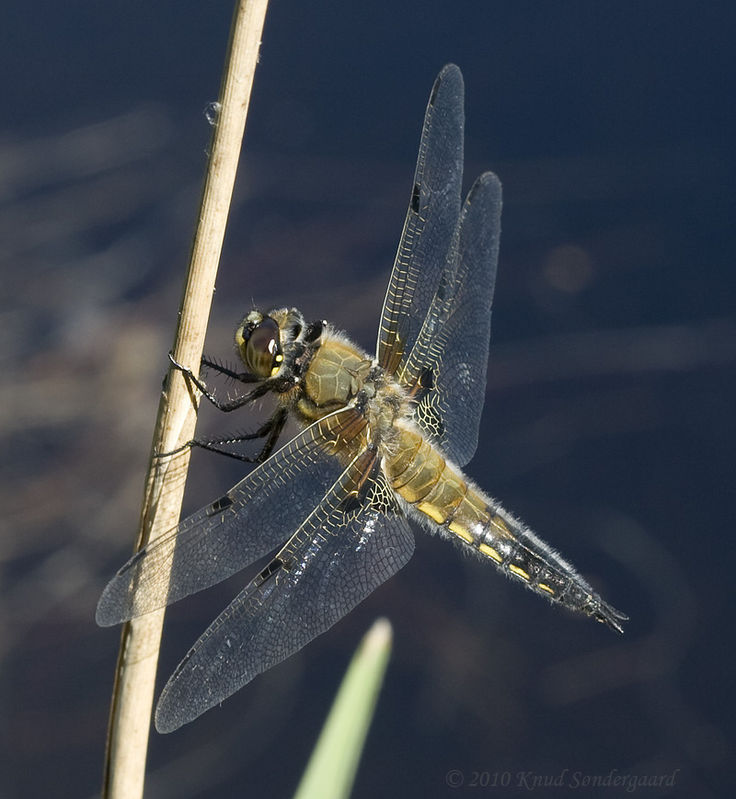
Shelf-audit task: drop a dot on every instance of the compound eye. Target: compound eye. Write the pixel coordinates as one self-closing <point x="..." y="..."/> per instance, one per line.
<point x="260" y="348"/>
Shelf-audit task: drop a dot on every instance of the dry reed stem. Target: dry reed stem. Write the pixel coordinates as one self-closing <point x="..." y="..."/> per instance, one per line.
<point x="130" y="713"/>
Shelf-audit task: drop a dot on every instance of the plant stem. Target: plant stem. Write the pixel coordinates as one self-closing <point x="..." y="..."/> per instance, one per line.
<point x="331" y="770"/>
<point x="132" y="699"/>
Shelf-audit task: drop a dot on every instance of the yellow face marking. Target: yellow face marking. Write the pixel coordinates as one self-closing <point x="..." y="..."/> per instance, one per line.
<point x="491" y="552"/>
<point x="460" y="532"/>
<point x="519" y="572"/>
<point x="432" y="511"/>
<point x="545" y="587"/>
<point x="277" y="359"/>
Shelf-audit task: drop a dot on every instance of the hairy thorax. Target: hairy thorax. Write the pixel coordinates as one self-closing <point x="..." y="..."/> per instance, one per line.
<point x="341" y="374"/>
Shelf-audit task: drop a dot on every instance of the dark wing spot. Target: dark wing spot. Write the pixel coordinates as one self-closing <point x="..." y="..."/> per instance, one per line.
<point x="426" y="379"/>
<point x="273" y="568"/>
<point x="219" y="505"/>
<point x="352" y="503"/>
<point x="415" y="198"/>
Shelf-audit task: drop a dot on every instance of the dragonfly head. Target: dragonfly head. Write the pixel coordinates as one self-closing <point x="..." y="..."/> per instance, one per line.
<point x="270" y="342"/>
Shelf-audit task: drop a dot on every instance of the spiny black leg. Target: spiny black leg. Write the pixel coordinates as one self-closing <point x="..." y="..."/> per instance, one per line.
<point x="270" y="429"/>
<point x="278" y="420"/>
<point x="241" y="377"/>
<point x="228" y="405"/>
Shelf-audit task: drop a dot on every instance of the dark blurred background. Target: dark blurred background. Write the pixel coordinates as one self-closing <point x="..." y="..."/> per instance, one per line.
<point x="609" y="423"/>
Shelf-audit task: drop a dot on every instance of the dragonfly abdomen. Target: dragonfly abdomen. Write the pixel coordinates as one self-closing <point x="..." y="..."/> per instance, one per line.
<point x="420" y="475"/>
<point x="441" y="493"/>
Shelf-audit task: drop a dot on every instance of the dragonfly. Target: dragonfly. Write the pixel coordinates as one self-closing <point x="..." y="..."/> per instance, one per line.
<point x="383" y="441"/>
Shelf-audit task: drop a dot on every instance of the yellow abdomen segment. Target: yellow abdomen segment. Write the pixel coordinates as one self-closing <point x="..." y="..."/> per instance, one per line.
<point x="420" y="475"/>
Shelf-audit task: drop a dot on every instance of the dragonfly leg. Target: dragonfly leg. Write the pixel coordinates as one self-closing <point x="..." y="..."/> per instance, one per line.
<point x="270" y="430"/>
<point x="220" y="368"/>
<point x="223" y="405"/>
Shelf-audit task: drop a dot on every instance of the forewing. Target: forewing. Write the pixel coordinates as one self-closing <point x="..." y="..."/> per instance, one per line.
<point x="446" y="369"/>
<point x="248" y="522"/>
<point x="430" y="221"/>
<point x="354" y="540"/>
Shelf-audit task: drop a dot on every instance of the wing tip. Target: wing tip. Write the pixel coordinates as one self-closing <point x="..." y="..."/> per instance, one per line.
<point x="489" y="183"/>
<point x="450" y="79"/>
<point x="101" y="619"/>
<point x="164" y="722"/>
<point x="103" y="613"/>
<point x="450" y="70"/>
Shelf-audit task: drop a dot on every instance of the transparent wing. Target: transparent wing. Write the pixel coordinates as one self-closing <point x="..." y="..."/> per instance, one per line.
<point x="430" y="221"/>
<point x="354" y="540"/>
<point x="446" y="369"/>
<point x="248" y="522"/>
